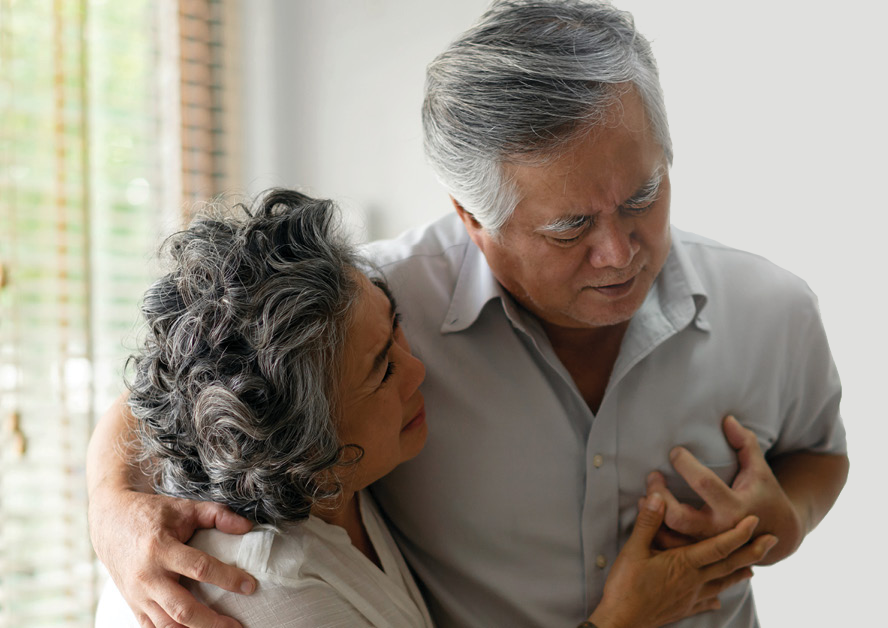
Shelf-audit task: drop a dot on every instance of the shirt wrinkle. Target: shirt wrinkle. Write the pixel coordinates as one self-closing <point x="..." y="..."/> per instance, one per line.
<point x="308" y="575"/>
<point x="521" y="500"/>
<point x="475" y="287"/>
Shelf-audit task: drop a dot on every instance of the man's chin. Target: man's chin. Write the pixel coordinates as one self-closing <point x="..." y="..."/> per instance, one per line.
<point x="590" y="310"/>
<point x="587" y="320"/>
<point x="615" y="312"/>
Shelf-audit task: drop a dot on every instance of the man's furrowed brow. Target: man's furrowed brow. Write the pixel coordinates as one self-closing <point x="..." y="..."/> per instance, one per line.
<point x="564" y="224"/>
<point x="648" y="192"/>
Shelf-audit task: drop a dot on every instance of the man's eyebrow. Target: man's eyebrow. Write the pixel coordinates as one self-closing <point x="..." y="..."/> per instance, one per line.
<point x="564" y="224"/>
<point x="648" y="192"/>
<point x="381" y="356"/>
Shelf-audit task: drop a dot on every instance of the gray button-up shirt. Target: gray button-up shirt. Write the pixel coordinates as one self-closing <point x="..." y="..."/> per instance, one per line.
<point x="522" y="498"/>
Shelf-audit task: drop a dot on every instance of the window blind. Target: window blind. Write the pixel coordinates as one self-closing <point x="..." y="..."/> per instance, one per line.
<point x="95" y="152"/>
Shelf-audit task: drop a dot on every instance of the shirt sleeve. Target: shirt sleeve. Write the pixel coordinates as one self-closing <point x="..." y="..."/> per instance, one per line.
<point x="811" y="417"/>
<point x="313" y="604"/>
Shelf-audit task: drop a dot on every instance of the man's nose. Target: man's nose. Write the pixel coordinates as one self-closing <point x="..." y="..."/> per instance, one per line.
<point x="612" y="245"/>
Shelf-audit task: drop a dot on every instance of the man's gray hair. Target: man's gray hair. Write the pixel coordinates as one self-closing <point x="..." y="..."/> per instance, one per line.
<point x="235" y="388"/>
<point x="528" y="78"/>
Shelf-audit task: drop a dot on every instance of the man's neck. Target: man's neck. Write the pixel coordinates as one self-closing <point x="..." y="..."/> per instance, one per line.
<point x="584" y="338"/>
<point x="589" y="355"/>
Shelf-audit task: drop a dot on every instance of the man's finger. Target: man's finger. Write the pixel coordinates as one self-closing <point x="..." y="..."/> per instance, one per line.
<point x="747" y="556"/>
<point x="212" y="515"/>
<point x="144" y="620"/>
<point x="667" y="539"/>
<point x="684" y="520"/>
<point x="197" y="565"/>
<point x="648" y="522"/>
<point x="716" y="549"/>
<point x="155" y="617"/>
<point x="744" y="442"/>
<point x="715" y="587"/>
<point x="701" y="479"/>
<point x="656" y="483"/>
<point x="182" y="609"/>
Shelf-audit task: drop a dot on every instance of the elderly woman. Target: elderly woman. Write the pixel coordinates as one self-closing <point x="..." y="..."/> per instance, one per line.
<point x="275" y="379"/>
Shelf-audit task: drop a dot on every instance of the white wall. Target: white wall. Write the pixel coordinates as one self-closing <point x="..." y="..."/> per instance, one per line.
<point x="338" y="107"/>
<point x="778" y="120"/>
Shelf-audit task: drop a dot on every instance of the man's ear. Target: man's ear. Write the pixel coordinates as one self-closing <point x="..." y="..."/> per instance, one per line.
<point x="468" y="219"/>
<point x="476" y="232"/>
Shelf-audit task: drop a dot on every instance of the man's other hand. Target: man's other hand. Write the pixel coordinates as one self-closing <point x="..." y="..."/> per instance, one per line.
<point x="140" y="539"/>
<point x="648" y="588"/>
<point x="754" y="491"/>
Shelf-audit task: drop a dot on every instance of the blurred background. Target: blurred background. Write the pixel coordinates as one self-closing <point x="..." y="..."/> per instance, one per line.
<point x="117" y="119"/>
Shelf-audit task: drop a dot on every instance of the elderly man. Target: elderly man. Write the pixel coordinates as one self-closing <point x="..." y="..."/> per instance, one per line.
<point x="581" y="352"/>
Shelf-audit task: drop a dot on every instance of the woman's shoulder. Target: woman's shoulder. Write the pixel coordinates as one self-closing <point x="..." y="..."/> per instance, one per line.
<point x="273" y="553"/>
<point x="299" y="570"/>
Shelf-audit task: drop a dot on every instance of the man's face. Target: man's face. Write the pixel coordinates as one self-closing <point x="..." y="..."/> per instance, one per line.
<point x="591" y="231"/>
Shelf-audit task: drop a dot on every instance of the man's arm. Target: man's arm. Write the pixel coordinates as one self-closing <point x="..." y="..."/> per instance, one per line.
<point x="140" y="536"/>
<point x="790" y="496"/>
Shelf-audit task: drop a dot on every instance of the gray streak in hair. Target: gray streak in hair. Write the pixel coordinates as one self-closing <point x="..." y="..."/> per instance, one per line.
<point x="527" y="79"/>
<point x="235" y="388"/>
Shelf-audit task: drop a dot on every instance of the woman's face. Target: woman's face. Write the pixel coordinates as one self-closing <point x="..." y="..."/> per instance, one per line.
<point x="382" y="409"/>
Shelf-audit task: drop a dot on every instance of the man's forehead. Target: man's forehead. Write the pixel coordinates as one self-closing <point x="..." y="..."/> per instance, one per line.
<point x="588" y="199"/>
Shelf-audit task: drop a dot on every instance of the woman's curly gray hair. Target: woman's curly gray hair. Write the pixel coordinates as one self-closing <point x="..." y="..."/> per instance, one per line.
<point x="235" y="388"/>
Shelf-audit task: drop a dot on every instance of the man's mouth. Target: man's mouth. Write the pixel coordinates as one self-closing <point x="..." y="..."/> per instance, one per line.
<point x="615" y="290"/>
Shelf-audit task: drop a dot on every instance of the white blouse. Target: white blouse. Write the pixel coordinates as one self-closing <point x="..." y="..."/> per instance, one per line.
<point x="309" y="576"/>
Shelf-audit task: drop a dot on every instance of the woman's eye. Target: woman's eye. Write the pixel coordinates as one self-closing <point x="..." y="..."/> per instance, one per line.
<point x="389" y="371"/>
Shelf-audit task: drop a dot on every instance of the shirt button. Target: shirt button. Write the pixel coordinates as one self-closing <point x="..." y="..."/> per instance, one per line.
<point x="597" y="460"/>
<point x="601" y="561"/>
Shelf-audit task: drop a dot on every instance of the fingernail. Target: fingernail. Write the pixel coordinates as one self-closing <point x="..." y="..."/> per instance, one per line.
<point x="247" y="587"/>
<point x="674" y="453"/>
<point x="769" y="545"/>
<point x="654" y="502"/>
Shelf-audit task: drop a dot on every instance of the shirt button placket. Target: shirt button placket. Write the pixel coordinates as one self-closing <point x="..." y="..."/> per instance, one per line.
<point x="601" y="559"/>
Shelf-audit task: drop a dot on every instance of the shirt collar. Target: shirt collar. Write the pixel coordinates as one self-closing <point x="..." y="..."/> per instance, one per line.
<point x="680" y="294"/>
<point x="475" y="287"/>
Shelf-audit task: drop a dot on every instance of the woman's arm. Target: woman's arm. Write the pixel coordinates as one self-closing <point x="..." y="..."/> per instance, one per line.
<point x="647" y="588"/>
<point x="140" y="536"/>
